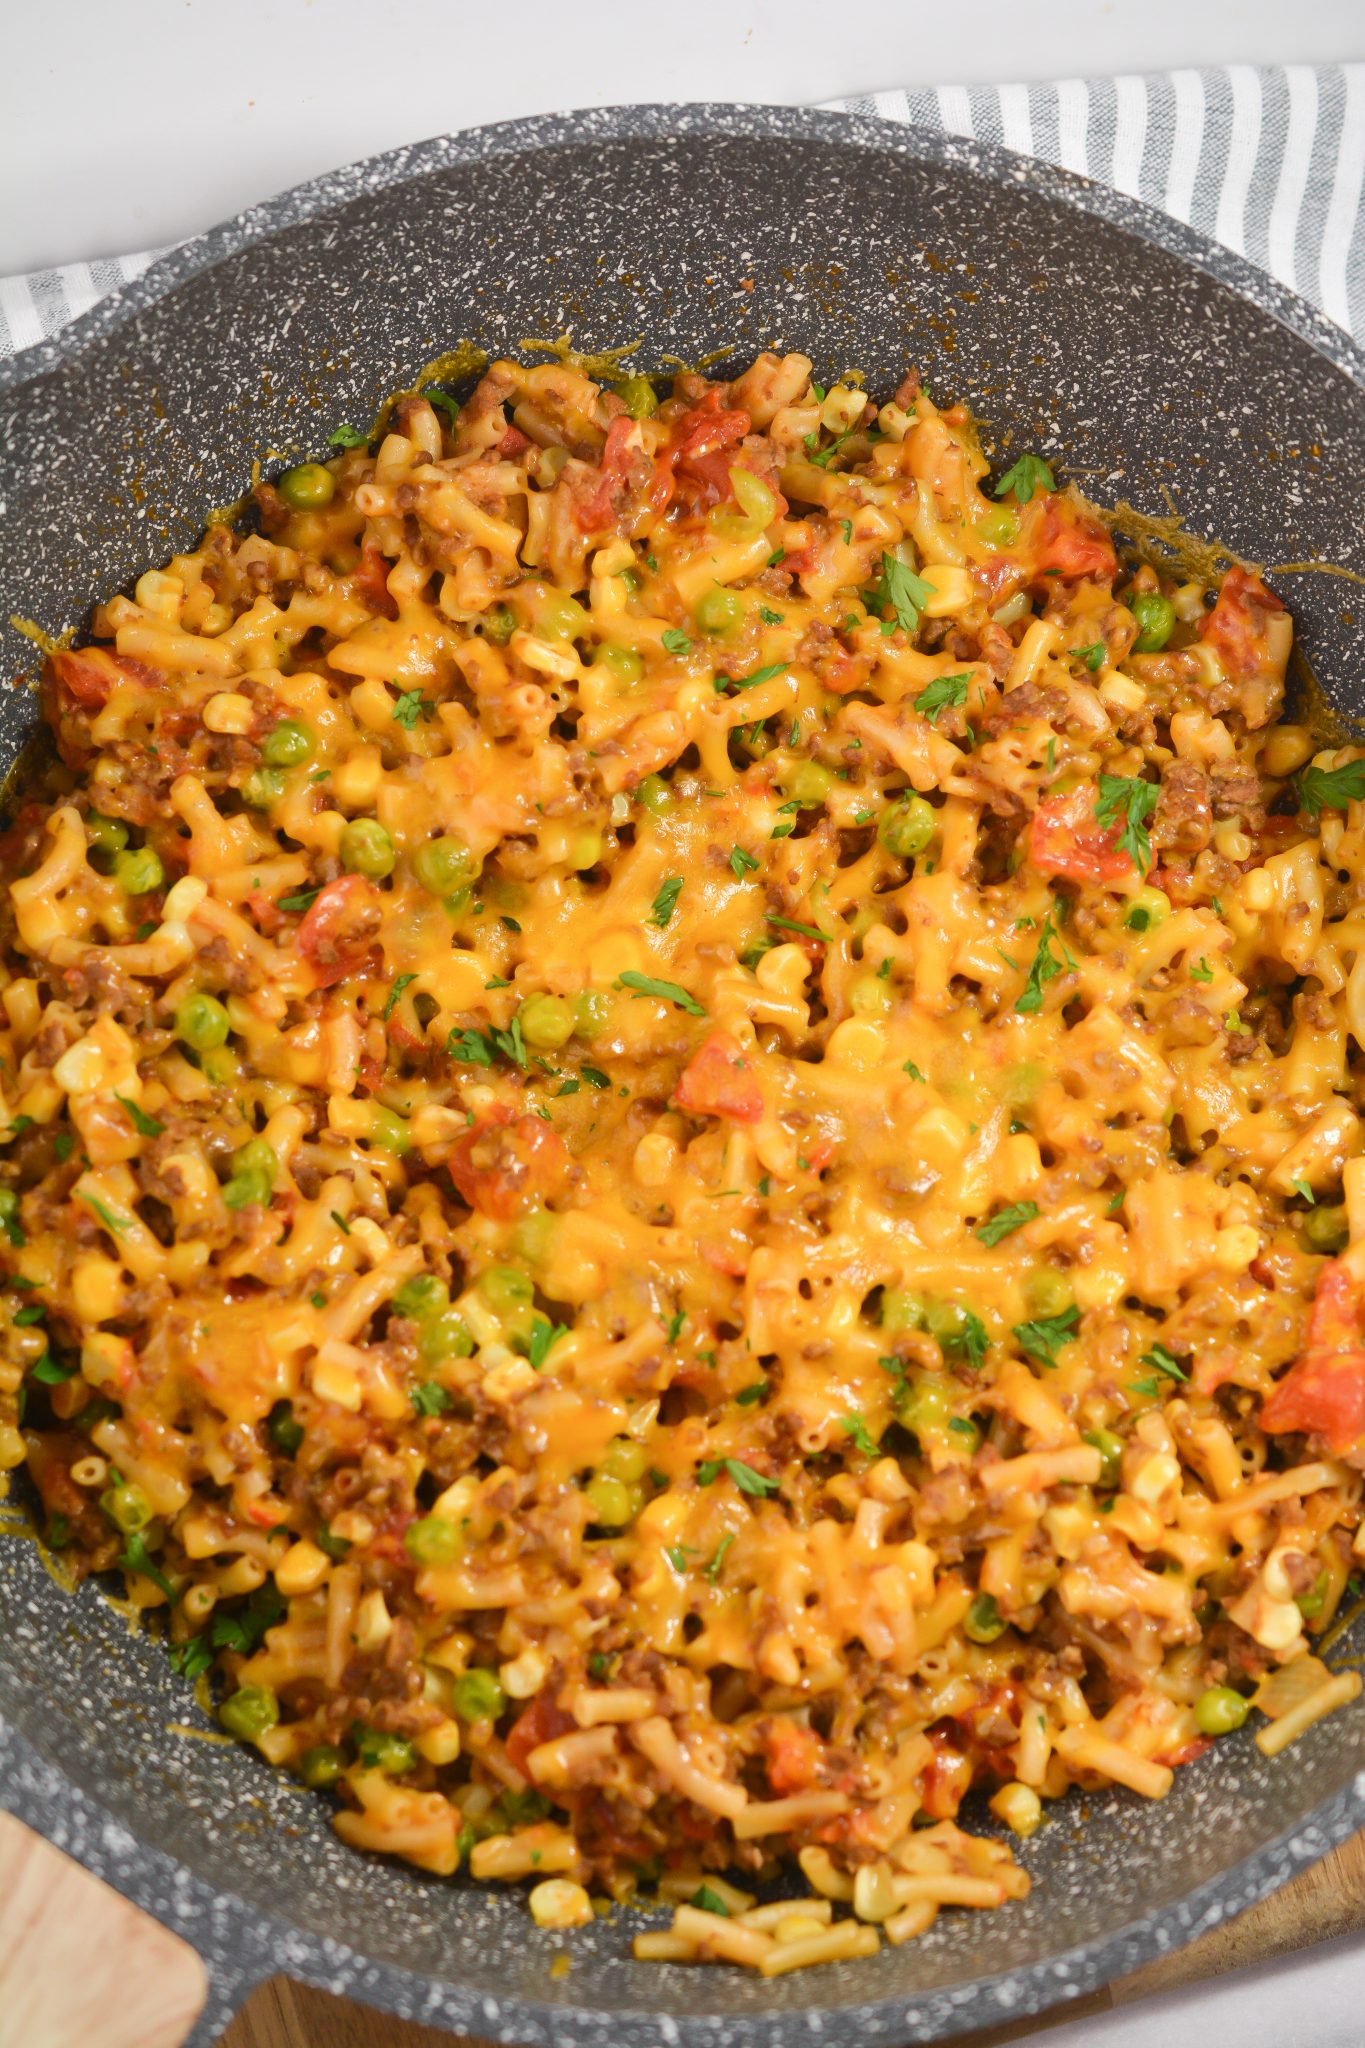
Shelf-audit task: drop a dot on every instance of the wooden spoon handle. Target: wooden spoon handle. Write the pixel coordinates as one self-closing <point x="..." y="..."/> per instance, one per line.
<point x="79" y="1966"/>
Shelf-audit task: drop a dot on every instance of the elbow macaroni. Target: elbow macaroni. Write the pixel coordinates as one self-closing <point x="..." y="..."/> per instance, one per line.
<point x="678" y="1102"/>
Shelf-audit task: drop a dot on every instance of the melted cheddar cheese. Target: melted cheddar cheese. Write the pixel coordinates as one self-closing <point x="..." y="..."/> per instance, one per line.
<point x="684" y="1166"/>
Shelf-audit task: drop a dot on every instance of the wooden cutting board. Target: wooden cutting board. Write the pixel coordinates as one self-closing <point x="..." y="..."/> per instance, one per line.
<point x="80" y="1968"/>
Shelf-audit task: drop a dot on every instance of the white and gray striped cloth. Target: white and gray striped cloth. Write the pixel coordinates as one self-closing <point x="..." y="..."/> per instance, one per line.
<point x="1270" y="162"/>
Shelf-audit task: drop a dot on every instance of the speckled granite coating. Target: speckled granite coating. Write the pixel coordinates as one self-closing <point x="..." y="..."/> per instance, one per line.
<point x="1078" y="323"/>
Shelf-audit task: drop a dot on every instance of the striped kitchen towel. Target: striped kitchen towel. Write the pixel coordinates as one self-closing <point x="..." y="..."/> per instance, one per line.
<point x="1270" y="162"/>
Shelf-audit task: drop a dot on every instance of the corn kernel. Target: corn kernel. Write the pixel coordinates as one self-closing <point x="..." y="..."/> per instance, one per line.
<point x="655" y="1157"/>
<point x="952" y="587"/>
<point x="228" y="711"/>
<point x="441" y="1744"/>
<point x="355" y="781"/>
<point x="96" y="1289"/>
<point x="302" y="1569"/>
<point x="1236" y="1247"/>
<point x="1019" y="1807"/>
<point x="559" y="1902"/>
<point x="1286" y="749"/>
<point x="160" y="594"/>
<point x="12" y="1451"/>
<point x="352" y="1526"/>
<point x="874" y="1895"/>
<point x="373" y="1623"/>
<point x="858" y="1042"/>
<point x="335" y="1381"/>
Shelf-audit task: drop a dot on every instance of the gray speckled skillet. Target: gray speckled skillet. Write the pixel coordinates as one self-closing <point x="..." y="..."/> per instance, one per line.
<point x="1078" y="323"/>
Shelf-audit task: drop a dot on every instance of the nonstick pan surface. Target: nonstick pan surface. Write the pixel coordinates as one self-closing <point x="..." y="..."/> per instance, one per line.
<point x="1078" y="324"/>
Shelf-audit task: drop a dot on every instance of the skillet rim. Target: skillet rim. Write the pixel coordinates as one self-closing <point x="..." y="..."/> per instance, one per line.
<point x="241" y="1944"/>
<point x="655" y="120"/>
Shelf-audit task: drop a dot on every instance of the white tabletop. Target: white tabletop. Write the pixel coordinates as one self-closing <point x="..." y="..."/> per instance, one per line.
<point x="125" y="124"/>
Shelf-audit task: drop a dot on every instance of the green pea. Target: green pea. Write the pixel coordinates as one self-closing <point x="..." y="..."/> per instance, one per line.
<point x="718" y="610"/>
<point x="127" y="1507"/>
<point x="928" y="1406"/>
<point x="422" y="1296"/>
<point x="249" y="1712"/>
<point x="1311" y="1603"/>
<point x="869" y="996"/>
<point x="625" y="664"/>
<point x="245" y="1188"/>
<point x="1046" y="1291"/>
<point x="984" y="1623"/>
<point x="547" y="1022"/>
<point x="433" y="1541"/>
<point x="1148" y="909"/>
<point x="1021" y="1082"/>
<point x="506" y="1289"/>
<point x="948" y="1323"/>
<point x="321" y="1766"/>
<point x="532" y="1234"/>
<point x="366" y="849"/>
<point x="591" y="1011"/>
<point x="1326" y="1229"/>
<point x="477" y="1696"/>
<point x="444" y="1336"/>
<point x="262" y="788"/>
<point x="256" y="1156"/>
<point x="499" y="624"/>
<point x="901" y="1311"/>
<point x="559" y="616"/>
<point x="610" y="1500"/>
<point x="520" y="1809"/>
<point x="441" y="865"/>
<point x="638" y="396"/>
<point x="389" y="1131"/>
<point x="1219" y="1710"/>
<point x="394" y="1755"/>
<point x="288" y="745"/>
<point x="1155" y="617"/>
<point x="1000" y="528"/>
<point x="106" y="835"/>
<point x="907" y="826"/>
<point x="654" y="793"/>
<point x="201" y="1022"/>
<point x="809" y="782"/>
<point x="624" y="1459"/>
<point x="138" y="870"/>
<point x="1110" y="1448"/>
<point x="286" y="1432"/>
<point x="307" y="487"/>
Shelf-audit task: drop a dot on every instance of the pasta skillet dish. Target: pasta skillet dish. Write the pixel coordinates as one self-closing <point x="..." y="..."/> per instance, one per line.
<point x="683" y="1167"/>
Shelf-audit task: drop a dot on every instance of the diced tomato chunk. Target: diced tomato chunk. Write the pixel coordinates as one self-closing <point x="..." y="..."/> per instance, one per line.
<point x="371" y="580"/>
<point x="613" y="474"/>
<point x="89" y="674"/>
<point x="508" y="1161"/>
<point x="794" y="1755"/>
<point x="1069" y="544"/>
<point x="719" y="1080"/>
<point x="694" y="455"/>
<point x="513" y="442"/>
<point x="541" y="1722"/>
<point x="1238" y="627"/>
<point x="339" y="927"/>
<point x="1064" y="839"/>
<point x="1323" y="1393"/>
